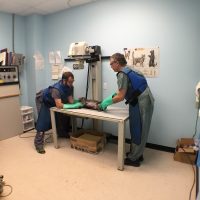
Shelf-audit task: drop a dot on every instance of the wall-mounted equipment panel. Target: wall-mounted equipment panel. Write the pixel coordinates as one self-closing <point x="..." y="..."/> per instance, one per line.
<point x="9" y="75"/>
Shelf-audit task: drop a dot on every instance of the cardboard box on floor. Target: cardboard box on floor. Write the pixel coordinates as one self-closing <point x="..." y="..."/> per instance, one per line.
<point x="89" y="141"/>
<point x="185" y="152"/>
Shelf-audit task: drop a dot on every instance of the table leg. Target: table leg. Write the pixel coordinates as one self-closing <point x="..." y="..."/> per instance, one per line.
<point x="74" y="126"/>
<point x="121" y="145"/>
<point x="53" y="123"/>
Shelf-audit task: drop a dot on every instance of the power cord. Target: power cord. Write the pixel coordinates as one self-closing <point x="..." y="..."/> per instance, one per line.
<point x="197" y="117"/>
<point x="20" y="135"/>
<point x="87" y="87"/>
<point x="194" y="180"/>
<point x="2" y="185"/>
<point x="11" y="189"/>
<point x="34" y="132"/>
<point x="196" y="123"/>
<point x="47" y="135"/>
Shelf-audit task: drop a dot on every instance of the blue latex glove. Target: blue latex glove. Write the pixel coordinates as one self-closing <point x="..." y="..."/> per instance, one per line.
<point x="106" y="102"/>
<point x="73" y="105"/>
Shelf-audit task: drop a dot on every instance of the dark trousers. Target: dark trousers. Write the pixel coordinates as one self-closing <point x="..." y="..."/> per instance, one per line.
<point x="44" y="124"/>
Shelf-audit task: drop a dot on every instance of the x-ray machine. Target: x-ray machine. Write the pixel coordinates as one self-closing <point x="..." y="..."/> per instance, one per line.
<point x="81" y="52"/>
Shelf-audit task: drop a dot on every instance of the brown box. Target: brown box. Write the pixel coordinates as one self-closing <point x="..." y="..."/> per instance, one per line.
<point x="184" y="151"/>
<point x="88" y="140"/>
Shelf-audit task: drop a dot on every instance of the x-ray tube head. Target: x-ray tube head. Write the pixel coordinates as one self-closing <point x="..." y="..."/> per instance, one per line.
<point x="78" y="49"/>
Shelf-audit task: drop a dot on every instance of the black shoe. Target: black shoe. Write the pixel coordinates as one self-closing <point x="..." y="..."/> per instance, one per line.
<point x="140" y="159"/>
<point x="40" y="149"/>
<point x="135" y="163"/>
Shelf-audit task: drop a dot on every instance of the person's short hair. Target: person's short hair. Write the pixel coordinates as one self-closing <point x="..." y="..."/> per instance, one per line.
<point x="119" y="58"/>
<point x="66" y="75"/>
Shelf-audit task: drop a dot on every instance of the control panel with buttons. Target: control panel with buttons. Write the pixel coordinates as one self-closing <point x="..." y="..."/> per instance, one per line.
<point x="9" y="75"/>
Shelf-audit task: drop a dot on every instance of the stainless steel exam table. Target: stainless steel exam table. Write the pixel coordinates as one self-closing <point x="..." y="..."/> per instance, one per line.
<point x="113" y="114"/>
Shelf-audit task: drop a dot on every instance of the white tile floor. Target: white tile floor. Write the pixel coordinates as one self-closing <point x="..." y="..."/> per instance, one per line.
<point x="66" y="173"/>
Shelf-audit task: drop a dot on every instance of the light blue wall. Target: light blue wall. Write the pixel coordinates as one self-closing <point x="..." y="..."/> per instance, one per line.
<point x="34" y="44"/>
<point x="6" y="31"/>
<point x="112" y="24"/>
<point x="171" y="25"/>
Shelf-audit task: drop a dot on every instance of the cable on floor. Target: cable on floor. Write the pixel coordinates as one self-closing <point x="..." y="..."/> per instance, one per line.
<point x="34" y="132"/>
<point x="3" y="185"/>
<point x="20" y="135"/>
<point x="11" y="189"/>
<point x="194" y="180"/>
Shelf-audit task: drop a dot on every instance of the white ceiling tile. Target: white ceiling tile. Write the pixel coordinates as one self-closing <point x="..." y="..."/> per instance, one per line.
<point x="52" y="5"/>
<point x="28" y="7"/>
<point x="12" y="8"/>
<point x="31" y="10"/>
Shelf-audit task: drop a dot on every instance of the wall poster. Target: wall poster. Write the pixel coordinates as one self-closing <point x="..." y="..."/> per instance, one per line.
<point x="146" y="60"/>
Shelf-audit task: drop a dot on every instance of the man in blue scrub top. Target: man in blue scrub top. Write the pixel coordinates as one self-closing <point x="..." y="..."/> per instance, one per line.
<point x="60" y="95"/>
<point x="133" y="87"/>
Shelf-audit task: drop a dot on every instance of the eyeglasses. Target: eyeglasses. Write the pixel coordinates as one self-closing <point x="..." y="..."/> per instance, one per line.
<point x="111" y="63"/>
